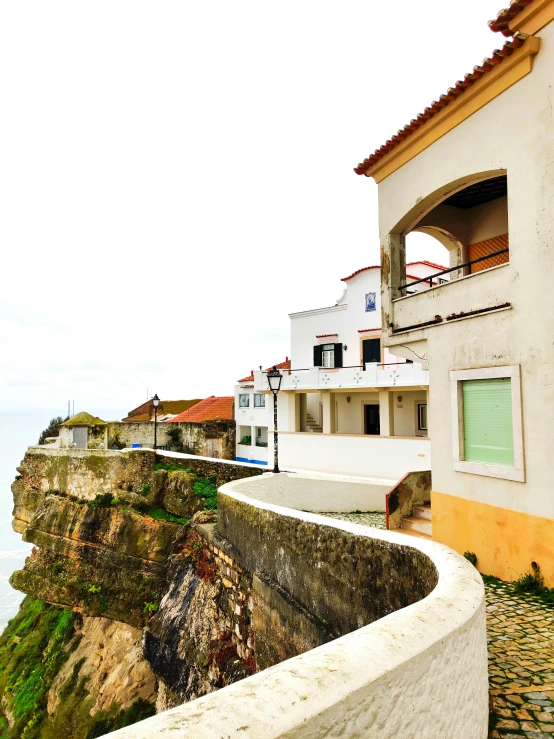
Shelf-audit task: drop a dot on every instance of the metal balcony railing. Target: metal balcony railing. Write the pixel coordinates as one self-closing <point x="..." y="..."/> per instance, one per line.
<point x="430" y="278"/>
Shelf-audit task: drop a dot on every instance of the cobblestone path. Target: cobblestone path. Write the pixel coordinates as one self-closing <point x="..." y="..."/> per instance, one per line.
<point x="520" y="635"/>
<point x="377" y="520"/>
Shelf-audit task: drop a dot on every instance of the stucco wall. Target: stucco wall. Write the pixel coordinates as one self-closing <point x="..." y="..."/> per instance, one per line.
<point x="522" y="335"/>
<point x="420" y="671"/>
<point x="369" y="456"/>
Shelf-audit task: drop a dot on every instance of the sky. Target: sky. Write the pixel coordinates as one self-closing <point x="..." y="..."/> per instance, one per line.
<point x="177" y="177"/>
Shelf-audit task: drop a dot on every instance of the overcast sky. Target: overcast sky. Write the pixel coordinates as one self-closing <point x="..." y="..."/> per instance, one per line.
<point x="176" y="177"/>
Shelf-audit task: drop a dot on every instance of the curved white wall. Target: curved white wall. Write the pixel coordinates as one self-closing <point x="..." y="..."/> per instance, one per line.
<point x="418" y="672"/>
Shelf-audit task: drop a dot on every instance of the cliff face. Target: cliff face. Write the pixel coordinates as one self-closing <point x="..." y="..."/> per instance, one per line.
<point x="112" y="542"/>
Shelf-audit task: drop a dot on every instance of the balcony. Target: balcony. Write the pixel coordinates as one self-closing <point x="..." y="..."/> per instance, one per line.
<point x="471" y="295"/>
<point x="375" y="375"/>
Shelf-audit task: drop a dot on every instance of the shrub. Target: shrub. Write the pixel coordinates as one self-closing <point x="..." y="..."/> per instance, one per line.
<point x="53" y="428"/>
<point x="205" y="488"/>
<point x="471" y="557"/>
<point x="104" y="500"/>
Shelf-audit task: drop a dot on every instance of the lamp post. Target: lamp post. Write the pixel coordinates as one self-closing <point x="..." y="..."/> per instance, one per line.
<point x="155" y="401"/>
<point x="274" y="379"/>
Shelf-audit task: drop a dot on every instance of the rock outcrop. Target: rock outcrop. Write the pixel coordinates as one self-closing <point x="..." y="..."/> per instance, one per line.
<point x="112" y="536"/>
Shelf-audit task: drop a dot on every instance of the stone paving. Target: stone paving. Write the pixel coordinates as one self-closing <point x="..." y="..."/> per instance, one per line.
<point x="520" y="636"/>
<point x="376" y="520"/>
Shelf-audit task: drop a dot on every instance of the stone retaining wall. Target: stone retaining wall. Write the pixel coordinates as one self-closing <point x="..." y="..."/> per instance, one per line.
<point x="412" y="658"/>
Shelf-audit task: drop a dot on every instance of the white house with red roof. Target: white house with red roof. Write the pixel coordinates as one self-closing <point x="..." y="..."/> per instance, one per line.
<point x="254" y="419"/>
<point x="347" y="405"/>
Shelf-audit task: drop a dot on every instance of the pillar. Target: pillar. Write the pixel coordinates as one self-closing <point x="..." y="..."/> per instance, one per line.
<point x="386" y="412"/>
<point x="328" y="405"/>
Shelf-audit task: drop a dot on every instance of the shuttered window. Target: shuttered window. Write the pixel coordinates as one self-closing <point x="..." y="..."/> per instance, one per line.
<point x="488" y="428"/>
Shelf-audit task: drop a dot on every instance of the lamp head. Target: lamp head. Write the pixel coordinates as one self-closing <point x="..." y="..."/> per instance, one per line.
<point x="274" y="379"/>
<point x="156" y="400"/>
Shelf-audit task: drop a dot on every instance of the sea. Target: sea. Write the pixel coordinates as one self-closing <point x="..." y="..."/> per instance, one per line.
<point x="17" y="432"/>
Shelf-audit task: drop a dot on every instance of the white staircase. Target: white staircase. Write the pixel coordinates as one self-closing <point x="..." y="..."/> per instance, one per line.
<point x="419" y="523"/>
<point x="312" y="425"/>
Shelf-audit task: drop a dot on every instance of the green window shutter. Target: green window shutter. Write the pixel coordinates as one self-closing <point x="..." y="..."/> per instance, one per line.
<point x="488" y="431"/>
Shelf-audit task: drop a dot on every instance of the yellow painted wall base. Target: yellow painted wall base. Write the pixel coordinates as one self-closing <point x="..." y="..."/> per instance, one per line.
<point x="505" y="541"/>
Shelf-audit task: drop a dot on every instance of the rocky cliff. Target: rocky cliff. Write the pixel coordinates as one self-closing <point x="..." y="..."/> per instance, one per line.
<point x="124" y="610"/>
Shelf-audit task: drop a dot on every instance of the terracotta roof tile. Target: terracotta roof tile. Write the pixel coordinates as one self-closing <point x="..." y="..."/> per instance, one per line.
<point x="282" y="365"/>
<point x="451" y="94"/>
<point x="325" y="336"/>
<point x="357" y="272"/>
<point x="367" y="330"/>
<point x="427" y="264"/>
<point x="209" y="409"/>
<point x="378" y="266"/>
<point x="501" y="24"/>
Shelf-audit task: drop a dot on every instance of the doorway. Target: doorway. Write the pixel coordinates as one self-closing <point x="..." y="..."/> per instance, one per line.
<point x="371" y="351"/>
<point x="372" y="424"/>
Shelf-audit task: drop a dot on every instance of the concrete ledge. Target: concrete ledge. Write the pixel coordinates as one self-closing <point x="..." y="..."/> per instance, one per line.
<point x="418" y="672"/>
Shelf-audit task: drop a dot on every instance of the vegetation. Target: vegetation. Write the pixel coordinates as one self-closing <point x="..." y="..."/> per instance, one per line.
<point x="531" y="584"/>
<point x="33" y="648"/>
<point x="53" y="428"/>
<point x="160" y="514"/>
<point x="205" y="488"/>
<point x="471" y="557"/>
<point x="175" y="436"/>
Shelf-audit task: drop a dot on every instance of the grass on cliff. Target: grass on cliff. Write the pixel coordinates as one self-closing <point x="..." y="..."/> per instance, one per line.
<point x="32" y="650"/>
<point x="205" y="488"/>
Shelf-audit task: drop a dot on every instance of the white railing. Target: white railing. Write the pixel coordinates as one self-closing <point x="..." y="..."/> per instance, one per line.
<point x="374" y="375"/>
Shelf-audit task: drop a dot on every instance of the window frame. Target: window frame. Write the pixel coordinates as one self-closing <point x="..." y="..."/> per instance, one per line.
<point x="419" y="426"/>
<point x="247" y="396"/>
<point x="261" y="397"/>
<point x="457" y="377"/>
<point x="331" y="352"/>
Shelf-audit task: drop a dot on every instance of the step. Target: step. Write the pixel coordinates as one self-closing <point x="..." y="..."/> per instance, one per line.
<point x="422" y="511"/>
<point x="417" y="524"/>
<point x="407" y="532"/>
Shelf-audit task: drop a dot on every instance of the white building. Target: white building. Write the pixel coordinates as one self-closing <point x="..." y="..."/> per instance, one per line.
<point x="254" y="419"/>
<point x="346" y="405"/>
<point x="475" y="170"/>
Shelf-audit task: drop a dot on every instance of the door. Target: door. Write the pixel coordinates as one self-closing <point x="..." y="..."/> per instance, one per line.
<point x="80" y="437"/>
<point x="372" y="420"/>
<point x="214" y="448"/>
<point x="371" y="351"/>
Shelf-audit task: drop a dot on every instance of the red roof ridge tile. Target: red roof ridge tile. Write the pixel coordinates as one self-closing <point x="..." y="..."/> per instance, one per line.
<point x="281" y="365"/>
<point x="428" y="264"/>
<point x="366" y="330"/>
<point x="357" y="272"/>
<point x="501" y="24"/>
<point x="325" y="336"/>
<point x="451" y="94"/>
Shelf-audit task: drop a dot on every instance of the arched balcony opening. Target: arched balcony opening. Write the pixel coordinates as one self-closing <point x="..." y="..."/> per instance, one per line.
<point x="468" y="218"/>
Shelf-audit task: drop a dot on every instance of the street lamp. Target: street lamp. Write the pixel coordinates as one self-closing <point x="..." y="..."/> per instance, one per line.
<point x="156" y="402"/>
<point x="274" y="378"/>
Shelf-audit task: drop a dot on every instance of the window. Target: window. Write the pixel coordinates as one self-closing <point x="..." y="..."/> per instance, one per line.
<point x="422" y="416"/>
<point x="328" y="355"/>
<point x="487" y="425"/>
<point x="259" y="400"/>
<point x="244" y="400"/>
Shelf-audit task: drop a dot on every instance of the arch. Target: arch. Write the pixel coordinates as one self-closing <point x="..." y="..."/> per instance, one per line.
<point x="468" y="216"/>
<point x="423" y="206"/>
